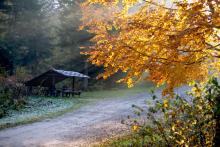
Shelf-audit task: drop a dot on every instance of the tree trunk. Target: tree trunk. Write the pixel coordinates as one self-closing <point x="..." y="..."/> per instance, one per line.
<point x="217" y="127"/>
<point x="85" y="80"/>
<point x="73" y="84"/>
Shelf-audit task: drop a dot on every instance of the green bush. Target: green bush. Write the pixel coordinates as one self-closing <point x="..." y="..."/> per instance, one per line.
<point x="12" y="92"/>
<point x="5" y="103"/>
<point x="175" y="121"/>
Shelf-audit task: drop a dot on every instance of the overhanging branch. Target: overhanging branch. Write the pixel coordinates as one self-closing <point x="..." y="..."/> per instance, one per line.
<point x="213" y="47"/>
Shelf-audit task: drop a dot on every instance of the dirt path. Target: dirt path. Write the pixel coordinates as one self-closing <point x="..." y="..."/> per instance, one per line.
<point x="87" y="125"/>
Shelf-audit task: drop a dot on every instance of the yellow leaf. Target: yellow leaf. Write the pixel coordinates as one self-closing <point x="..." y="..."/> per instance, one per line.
<point x="165" y="104"/>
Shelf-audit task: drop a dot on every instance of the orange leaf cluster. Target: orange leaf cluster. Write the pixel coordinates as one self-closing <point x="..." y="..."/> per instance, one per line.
<point x="173" y="45"/>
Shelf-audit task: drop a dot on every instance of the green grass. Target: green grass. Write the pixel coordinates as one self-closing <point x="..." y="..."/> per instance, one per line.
<point x="124" y="141"/>
<point x="117" y="93"/>
<point x="132" y="140"/>
<point x="39" y="108"/>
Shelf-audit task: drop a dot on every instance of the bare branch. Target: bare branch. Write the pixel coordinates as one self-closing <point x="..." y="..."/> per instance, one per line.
<point x="165" y="60"/>
<point x="213" y="47"/>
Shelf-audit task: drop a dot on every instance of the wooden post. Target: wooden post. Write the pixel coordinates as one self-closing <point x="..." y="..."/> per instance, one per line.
<point x="73" y="84"/>
<point x="53" y="88"/>
<point x="29" y="90"/>
<point x="85" y="80"/>
<point x="53" y="81"/>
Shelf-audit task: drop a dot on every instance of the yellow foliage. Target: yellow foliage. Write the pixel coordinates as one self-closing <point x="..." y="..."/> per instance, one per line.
<point x="175" y="45"/>
<point x="181" y="121"/>
<point x="135" y="128"/>
<point x="165" y="103"/>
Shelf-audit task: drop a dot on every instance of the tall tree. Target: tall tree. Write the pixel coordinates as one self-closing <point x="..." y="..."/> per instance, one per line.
<point x="165" y="42"/>
<point x="174" y="45"/>
<point x="67" y="52"/>
<point x="5" y="9"/>
<point x="26" y="34"/>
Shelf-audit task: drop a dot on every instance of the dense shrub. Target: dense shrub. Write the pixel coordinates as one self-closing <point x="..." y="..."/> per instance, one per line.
<point x="176" y="121"/>
<point x="12" y="91"/>
<point x="5" y="103"/>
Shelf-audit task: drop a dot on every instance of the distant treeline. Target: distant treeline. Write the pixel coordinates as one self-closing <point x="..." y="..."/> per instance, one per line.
<point x="37" y="35"/>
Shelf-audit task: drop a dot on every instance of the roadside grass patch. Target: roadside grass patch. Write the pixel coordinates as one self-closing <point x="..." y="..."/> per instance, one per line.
<point x="124" y="141"/>
<point x="131" y="140"/>
<point x="117" y="93"/>
<point x="39" y="108"/>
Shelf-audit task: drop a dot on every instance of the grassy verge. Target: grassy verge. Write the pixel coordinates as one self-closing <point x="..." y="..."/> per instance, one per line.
<point x="124" y="141"/>
<point x="39" y="108"/>
<point x="117" y="93"/>
<point x="133" y="140"/>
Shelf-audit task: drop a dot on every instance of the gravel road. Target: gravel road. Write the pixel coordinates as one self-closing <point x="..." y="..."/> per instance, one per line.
<point x="89" y="124"/>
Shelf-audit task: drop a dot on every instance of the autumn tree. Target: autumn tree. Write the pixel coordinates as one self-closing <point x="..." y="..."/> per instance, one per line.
<point x="174" y="43"/>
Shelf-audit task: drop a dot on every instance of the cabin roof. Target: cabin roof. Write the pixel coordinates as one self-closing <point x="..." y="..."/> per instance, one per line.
<point x="52" y="77"/>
